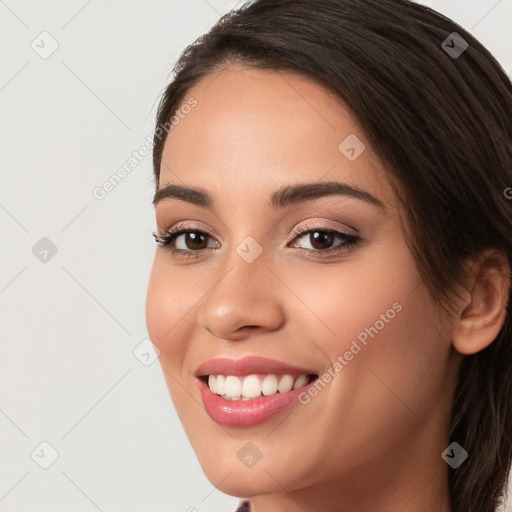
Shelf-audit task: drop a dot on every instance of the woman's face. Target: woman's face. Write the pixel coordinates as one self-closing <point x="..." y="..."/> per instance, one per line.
<point x="340" y="300"/>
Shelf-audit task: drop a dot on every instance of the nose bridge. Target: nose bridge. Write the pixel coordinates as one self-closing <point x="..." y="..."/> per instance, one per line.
<point x="243" y="295"/>
<point x="245" y="276"/>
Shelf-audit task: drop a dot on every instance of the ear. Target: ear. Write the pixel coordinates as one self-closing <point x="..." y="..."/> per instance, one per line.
<point x="484" y="310"/>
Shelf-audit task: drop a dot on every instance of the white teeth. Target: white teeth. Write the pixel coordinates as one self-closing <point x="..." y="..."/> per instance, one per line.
<point x="220" y="384"/>
<point x="269" y="385"/>
<point x="212" y="383"/>
<point x="301" y="381"/>
<point x="232" y="387"/>
<point x="251" y="386"/>
<point x="285" y="384"/>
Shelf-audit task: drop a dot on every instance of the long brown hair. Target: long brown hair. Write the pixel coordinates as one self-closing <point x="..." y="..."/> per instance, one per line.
<point x="439" y="115"/>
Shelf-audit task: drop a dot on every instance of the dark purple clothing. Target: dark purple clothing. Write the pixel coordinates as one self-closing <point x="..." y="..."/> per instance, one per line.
<point x="245" y="506"/>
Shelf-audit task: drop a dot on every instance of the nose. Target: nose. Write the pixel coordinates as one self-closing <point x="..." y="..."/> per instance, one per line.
<point x="244" y="299"/>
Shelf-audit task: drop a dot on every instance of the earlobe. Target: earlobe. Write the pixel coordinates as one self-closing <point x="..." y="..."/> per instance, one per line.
<point x="483" y="314"/>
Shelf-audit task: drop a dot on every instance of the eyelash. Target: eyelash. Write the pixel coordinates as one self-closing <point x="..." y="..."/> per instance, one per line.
<point x="170" y="236"/>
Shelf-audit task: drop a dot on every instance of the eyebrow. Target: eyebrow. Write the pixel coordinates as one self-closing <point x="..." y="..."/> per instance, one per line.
<point x="281" y="198"/>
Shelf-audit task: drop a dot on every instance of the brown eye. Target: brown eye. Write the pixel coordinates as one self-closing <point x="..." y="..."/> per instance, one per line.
<point x="321" y="240"/>
<point x="185" y="242"/>
<point x="194" y="240"/>
<point x="192" y="243"/>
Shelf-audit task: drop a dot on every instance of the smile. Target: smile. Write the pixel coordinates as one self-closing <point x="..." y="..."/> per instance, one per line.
<point x="231" y="387"/>
<point x="249" y="391"/>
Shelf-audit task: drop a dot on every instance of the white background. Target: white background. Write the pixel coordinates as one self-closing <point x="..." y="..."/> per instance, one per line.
<point x="69" y="326"/>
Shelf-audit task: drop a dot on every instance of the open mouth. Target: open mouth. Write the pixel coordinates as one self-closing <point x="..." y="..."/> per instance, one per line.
<point x="250" y="387"/>
<point x="251" y="390"/>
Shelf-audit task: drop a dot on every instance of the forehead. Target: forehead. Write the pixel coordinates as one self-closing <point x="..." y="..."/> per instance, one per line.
<point x="257" y="130"/>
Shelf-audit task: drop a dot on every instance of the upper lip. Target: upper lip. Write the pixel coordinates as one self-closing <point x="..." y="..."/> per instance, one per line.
<point x="247" y="366"/>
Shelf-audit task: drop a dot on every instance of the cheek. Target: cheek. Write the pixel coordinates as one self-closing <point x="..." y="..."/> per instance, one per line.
<point x="166" y="308"/>
<point x="156" y="307"/>
<point x="382" y="324"/>
<point x="398" y="377"/>
<point x="398" y="363"/>
<point x="167" y="323"/>
<point x="355" y="299"/>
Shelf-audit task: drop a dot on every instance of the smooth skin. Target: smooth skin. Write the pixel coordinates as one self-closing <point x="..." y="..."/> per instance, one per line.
<point x="372" y="439"/>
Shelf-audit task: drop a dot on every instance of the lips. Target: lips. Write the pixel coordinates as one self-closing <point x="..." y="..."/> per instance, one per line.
<point x="247" y="366"/>
<point x="236" y="410"/>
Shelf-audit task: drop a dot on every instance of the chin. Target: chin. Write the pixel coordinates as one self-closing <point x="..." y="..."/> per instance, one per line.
<point x="244" y="483"/>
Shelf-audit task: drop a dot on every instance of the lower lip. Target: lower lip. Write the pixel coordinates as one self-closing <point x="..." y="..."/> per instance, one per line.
<point x="246" y="413"/>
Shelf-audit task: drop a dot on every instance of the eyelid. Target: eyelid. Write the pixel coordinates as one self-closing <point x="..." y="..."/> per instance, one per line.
<point x="191" y="226"/>
<point x="348" y="243"/>
<point x="297" y="231"/>
<point x="316" y="224"/>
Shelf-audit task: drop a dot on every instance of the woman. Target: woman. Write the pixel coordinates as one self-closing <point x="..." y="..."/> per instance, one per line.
<point x="330" y="292"/>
